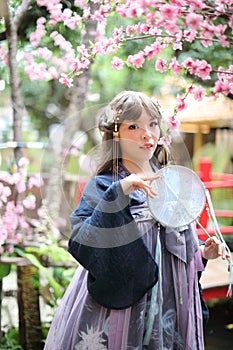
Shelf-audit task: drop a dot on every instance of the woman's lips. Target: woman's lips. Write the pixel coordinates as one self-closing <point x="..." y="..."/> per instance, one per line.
<point x="147" y="146"/>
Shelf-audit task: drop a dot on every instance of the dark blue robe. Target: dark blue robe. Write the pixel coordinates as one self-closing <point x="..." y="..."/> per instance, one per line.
<point x="105" y="239"/>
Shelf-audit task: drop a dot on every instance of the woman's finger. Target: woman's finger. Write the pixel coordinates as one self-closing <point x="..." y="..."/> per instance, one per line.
<point x="151" y="178"/>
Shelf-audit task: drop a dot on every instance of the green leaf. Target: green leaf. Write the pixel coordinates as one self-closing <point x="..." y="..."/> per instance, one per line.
<point x="4" y="270"/>
<point x="56" y="287"/>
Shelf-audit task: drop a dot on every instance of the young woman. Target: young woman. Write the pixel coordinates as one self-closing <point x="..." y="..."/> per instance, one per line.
<point x="137" y="283"/>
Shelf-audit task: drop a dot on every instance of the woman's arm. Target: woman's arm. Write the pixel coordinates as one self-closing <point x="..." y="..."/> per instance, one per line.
<point x="213" y="249"/>
<point x="103" y="218"/>
<point x="106" y="241"/>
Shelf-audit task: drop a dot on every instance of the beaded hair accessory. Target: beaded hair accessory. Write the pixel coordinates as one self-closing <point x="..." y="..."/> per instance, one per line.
<point x="115" y="147"/>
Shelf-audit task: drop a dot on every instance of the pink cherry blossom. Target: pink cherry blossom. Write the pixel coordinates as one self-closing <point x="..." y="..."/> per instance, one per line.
<point x="194" y="20"/>
<point x="118" y="34"/>
<point x="202" y="69"/>
<point x="117" y="63"/>
<point x="54" y="74"/>
<point x="3" y="233"/>
<point x="105" y="47"/>
<point x="175" y="22"/>
<point x="175" y="66"/>
<point x="40" y="32"/>
<point x="18" y="208"/>
<point x="165" y="141"/>
<point x="226" y="74"/>
<point x="101" y="14"/>
<point x="77" y="65"/>
<point x="138" y="28"/>
<point x="154" y="49"/>
<point x="30" y="202"/>
<point x="198" y="93"/>
<point x="5" y="176"/>
<point x="129" y="30"/>
<point x="197" y="4"/>
<point x="37" y="71"/>
<point x="43" y="52"/>
<point x="23" y="162"/>
<point x="223" y="87"/>
<point x="161" y="65"/>
<point x="66" y="80"/>
<point x="73" y="22"/>
<point x="136" y="60"/>
<point x="173" y="123"/>
<point x="189" y="64"/>
<point x="23" y="224"/>
<point x="177" y="45"/>
<point x="208" y="33"/>
<point x="5" y="192"/>
<point x="170" y="12"/>
<point x="35" y="180"/>
<point x="85" y="63"/>
<point x="181" y="104"/>
<point x="40" y="212"/>
<point x="19" y="182"/>
<point x="190" y="35"/>
<point x="3" y="54"/>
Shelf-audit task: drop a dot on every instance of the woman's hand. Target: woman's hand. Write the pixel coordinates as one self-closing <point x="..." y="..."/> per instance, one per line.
<point x="213" y="249"/>
<point x="133" y="182"/>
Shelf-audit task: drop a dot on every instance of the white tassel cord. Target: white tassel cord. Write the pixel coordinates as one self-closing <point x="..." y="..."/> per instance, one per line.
<point x="219" y="235"/>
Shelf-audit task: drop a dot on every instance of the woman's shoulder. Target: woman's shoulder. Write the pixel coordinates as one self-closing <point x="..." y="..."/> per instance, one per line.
<point x="99" y="181"/>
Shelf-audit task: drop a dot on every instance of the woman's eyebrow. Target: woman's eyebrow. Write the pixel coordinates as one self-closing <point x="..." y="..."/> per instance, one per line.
<point x="130" y="121"/>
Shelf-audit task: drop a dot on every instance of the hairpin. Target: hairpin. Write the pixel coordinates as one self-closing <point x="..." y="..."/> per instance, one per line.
<point x="115" y="149"/>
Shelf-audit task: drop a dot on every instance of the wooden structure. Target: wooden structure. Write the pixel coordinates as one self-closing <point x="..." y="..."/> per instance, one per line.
<point x="202" y="116"/>
<point x="215" y="279"/>
<point x="212" y="181"/>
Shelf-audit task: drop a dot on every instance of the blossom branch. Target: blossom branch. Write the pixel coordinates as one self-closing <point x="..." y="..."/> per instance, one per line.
<point x="149" y="36"/>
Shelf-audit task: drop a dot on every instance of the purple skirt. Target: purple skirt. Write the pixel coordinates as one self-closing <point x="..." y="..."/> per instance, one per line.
<point x="168" y="317"/>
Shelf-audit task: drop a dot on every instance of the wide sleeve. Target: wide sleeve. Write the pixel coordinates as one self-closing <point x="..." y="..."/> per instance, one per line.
<point x="106" y="241"/>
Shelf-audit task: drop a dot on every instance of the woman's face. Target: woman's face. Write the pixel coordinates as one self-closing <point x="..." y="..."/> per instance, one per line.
<point x="138" y="139"/>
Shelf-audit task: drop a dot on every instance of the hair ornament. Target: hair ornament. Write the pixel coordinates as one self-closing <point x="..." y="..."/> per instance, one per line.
<point x="115" y="148"/>
<point x="116" y="123"/>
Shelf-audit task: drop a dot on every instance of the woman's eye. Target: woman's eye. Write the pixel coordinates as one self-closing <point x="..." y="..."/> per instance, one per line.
<point x="153" y="124"/>
<point x="133" y="126"/>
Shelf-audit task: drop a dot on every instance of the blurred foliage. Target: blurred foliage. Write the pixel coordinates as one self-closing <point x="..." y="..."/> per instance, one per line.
<point x="57" y="277"/>
<point x="36" y="159"/>
<point x="10" y="340"/>
<point x="219" y="156"/>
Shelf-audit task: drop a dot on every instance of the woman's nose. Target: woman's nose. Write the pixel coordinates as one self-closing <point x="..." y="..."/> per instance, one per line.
<point x="146" y="135"/>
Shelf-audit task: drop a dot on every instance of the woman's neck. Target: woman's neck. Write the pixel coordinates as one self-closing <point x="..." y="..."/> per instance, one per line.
<point x="140" y="169"/>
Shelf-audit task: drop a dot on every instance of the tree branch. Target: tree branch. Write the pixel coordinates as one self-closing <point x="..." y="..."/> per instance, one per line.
<point x="148" y="36"/>
<point x="21" y="11"/>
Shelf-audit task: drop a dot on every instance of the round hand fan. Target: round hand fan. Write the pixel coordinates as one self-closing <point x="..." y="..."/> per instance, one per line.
<point x="180" y="199"/>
